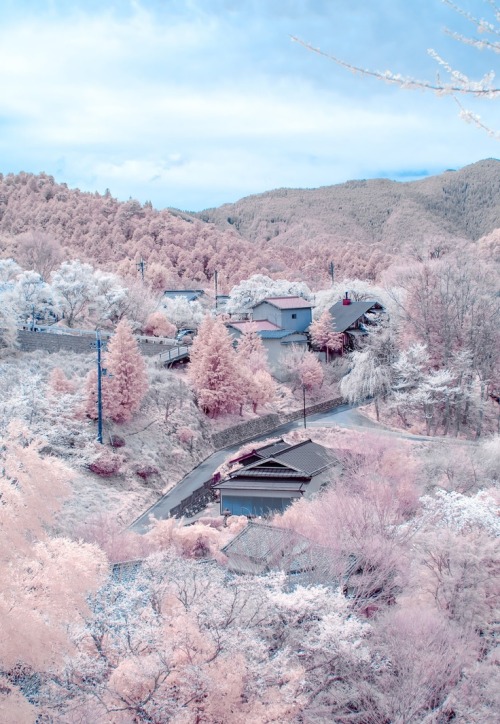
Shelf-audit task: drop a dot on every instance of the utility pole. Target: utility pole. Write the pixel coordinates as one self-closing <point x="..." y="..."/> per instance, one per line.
<point x="331" y="269"/>
<point x="99" y="386"/>
<point x="304" y="407"/>
<point x="216" y="279"/>
<point x="141" y="265"/>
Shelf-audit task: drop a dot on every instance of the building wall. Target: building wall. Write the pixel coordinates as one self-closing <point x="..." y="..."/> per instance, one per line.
<point x="297" y="320"/>
<point x="263" y="503"/>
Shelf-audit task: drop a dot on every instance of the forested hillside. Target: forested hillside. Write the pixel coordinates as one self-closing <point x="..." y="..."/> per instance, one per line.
<point x="363" y="226"/>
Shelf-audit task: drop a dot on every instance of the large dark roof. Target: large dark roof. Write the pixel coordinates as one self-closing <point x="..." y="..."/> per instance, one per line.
<point x="281" y="467"/>
<point x="307" y="456"/>
<point x="344" y="315"/>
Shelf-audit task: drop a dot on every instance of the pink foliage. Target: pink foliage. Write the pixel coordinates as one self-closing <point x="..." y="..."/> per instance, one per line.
<point x="157" y="325"/>
<point x="214" y="370"/>
<point x="310" y="372"/>
<point x="45" y="580"/>
<point x="106" y="463"/>
<point x="323" y="336"/>
<point x="129" y="381"/>
<point x="59" y="383"/>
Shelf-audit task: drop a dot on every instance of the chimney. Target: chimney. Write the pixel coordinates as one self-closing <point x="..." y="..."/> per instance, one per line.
<point x="346" y="301"/>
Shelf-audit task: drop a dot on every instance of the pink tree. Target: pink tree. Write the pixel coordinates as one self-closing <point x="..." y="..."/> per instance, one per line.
<point x="157" y="325"/>
<point x="45" y="580"/>
<point x="310" y="372"/>
<point x="214" y="370"/>
<point x="129" y="382"/>
<point x="59" y="383"/>
<point x="322" y="335"/>
<point x="251" y="351"/>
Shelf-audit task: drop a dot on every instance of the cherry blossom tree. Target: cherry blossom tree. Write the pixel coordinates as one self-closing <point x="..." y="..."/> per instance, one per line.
<point x="180" y="641"/>
<point x="128" y="383"/>
<point x="214" y="370"/>
<point x="253" y="290"/>
<point x="367" y="379"/>
<point x="32" y="297"/>
<point x="251" y="352"/>
<point x="183" y="313"/>
<point x="459" y="83"/>
<point x="9" y="269"/>
<point x="75" y="288"/>
<point x="8" y="328"/>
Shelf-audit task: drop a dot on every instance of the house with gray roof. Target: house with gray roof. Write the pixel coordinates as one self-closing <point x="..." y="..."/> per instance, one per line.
<point x="261" y="548"/>
<point x="352" y="318"/>
<point x="272" y="477"/>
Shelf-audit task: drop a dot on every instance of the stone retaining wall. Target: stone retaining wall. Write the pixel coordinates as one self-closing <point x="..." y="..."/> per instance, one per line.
<point x="267" y="424"/>
<point x="81" y="344"/>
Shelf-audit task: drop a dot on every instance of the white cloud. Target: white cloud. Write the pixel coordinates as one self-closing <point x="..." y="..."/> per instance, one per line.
<point x="195" y="108"/>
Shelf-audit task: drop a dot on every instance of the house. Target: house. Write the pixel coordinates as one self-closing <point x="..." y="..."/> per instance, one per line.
<point x="352" y="318"/>
<point x="291" y="313"/>
<point x="191" y="295"/>
<point x="261" y="548"/>
<point x="280" y="322"/>
<point x="273" y="476"/>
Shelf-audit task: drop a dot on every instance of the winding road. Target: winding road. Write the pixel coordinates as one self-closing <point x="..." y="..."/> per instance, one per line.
<point x="343" y="416"/>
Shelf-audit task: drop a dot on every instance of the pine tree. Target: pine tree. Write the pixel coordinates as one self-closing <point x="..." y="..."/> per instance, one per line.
<point x="129" y="382"/>
<point x="213" y="369"/>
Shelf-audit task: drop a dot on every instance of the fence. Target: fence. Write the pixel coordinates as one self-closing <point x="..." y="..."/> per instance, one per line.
<point x="195" y="502"/>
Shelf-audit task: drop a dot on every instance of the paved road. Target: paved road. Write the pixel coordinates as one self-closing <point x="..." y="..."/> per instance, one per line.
<point x="343" y="416"/>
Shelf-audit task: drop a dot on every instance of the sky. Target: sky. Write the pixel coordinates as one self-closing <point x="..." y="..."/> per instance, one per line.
<point x="195" y="103"/>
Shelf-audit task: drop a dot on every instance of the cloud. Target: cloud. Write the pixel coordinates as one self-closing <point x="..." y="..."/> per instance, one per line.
<point x="192" y="104"/>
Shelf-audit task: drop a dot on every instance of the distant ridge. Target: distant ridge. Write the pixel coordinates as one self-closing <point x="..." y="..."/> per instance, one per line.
<point x="364" y="227"/>
<point x="463" y="203"/>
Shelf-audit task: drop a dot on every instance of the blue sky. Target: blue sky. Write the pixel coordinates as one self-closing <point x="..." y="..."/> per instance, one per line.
<point x="194" y="103"/>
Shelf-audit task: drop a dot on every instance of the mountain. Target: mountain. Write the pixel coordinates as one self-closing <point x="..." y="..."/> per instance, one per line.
<point x="364" y="227"/>
<point x="391" y="217"/>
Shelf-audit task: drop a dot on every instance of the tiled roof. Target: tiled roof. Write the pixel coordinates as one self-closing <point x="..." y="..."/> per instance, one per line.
<point x="260" y="541"/>
<point x="307" y="456"/>
<point x="286" y="302"/>
<point x="268" y="450"/>
<point x="346" y="315"/>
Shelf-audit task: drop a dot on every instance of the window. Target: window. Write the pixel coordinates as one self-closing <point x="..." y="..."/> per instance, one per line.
<point x="294" y="316"/>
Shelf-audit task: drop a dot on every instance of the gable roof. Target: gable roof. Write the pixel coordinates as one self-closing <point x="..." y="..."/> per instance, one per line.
<point x="286" y="302"/>
<point x="344" y="315"/>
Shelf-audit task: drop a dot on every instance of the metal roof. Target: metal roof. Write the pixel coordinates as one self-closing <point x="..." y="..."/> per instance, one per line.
<point x="344" y="315"/>
<point x="269" y="473"/>
<point x="258" y="325"/>
<point x="190" y="294"/>
<point x="286" y="302"/>
<point x="279" y="333"/>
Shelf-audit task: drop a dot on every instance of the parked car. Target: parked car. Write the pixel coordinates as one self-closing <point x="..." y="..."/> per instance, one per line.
<point x="185" y="336"/>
